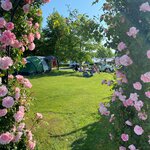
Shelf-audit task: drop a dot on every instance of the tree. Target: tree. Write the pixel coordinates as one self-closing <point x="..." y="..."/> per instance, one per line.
<point x="128" y="32"/>
<point x="102" y="52"/>
<point x="19" y="24"/>
<point x="70" y="38"/>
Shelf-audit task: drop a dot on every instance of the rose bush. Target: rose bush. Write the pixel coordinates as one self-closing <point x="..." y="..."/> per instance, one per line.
<point x="128" y="32"/>
<point x="19" y="26"/>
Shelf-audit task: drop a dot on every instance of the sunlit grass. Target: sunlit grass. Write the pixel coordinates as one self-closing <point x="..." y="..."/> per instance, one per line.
<point x="69" y="103"/>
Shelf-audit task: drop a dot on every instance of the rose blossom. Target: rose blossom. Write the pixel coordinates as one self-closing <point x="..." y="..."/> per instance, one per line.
<point x="2" y="22"/>
<point x="3" y="90"/>
<point x="147" y="94"/>
<point x="138" y="130"/>
<point x="24" y="61"/>
<point x="9" y="26"/>
<point x="8" y="38"/>
<point x="7" y="102"/>
<point x="103" y="110"/>
<point x="38" y="35"/>
<point x="5" y="63"/>
<point x="125" y="60"/>
<point x="6" y="138"/>
<point x="31" y="46"/>
<point x="121" y="46"/>
<point x="145" y="7"/>
<point x="148" y="54"/>
<point x="122" y="148"/>
<point x="132" y="147"/>
<point x="21" y="127"/>
<point x="145" y="77"/>
<point x="31" y="37"/>
<point x="19" y="78"/>
<point x="18" y="116"/>
<point x="128" y="123"/>
<point x="138" y="105"/>
<point x="132" y="32"/>
<point x="36" y="26"/>
<point x="3" y="112"/>
<point x="29" y="135"/>
<point x="10" y="76"/>
<point x="31" y="145"/>
<point x="142" y="116"/>
<point x="26" y="8"/>
<point x="39" y="116"/>
<point x="137" y="85"/>
<point x="17" y="137"/>
<point x="134" y="96"/>
<point x="27" y="83"/>
<point x="125" y="137"/>
<point x="6" y="5"/>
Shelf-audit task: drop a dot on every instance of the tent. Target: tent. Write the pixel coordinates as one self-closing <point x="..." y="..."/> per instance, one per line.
<point x="35" y="64"/>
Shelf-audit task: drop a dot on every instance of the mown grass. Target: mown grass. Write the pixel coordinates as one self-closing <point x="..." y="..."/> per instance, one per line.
<point x="69" y="104"/>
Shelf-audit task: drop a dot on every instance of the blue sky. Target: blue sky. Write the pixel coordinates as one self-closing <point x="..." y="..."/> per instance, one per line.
<point x="83" y="6"/>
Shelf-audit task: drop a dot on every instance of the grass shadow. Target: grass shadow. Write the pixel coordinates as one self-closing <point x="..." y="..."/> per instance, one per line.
<point x="96" y="137"/>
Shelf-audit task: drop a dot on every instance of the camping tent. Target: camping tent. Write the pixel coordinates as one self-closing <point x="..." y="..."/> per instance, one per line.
<point x="35" y="64"/>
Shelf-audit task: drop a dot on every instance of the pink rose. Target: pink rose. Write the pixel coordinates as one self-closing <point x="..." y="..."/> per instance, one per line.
<point x="19" y="78"/>
<point x="147" y="94"/>
<point x="128" y="123"/>
<point x="122" y="148"/>
<point x="10" y="76"/>
<point x="129" y="102"/>
<point x="137" y="85"/>
<point x="148" y="54"/>
<point x="16" y="44"/>
<point x="38" y="35"/>
<point x="39" y="116"/>
<point x="31" y="37"/>
<point x="132" y="147"/>
<point x="103" y="110"/>
<point x="3" y="91"/>
<point x="2" y="22"/>
<point x="5" y="63"/>
<point x="6" y="138"/>
<point x="17" y="137"/>
<point x="9" y="26"/>
<point x="3" y="112"/>
<point x="125" y="60"/>
<point x="132" y="32"/>
<point x="21" y="127"/>
<point x="8" y="38"/>
<point x="138" y="105"/>
<point x="19" y="116"/>
<point x="125" y="137"/>
<point x="145" y="7"/>
<point x="36" y="26"/>
<point x="142" y="116"/>
<point x="26" y="8"/>
<point x="31" y="46"/>
<point x="24" y="61"/>
<point x="134" y="96"/>
<point x="138" y="130"/>
<point x="29" y="135"/>
<point x="31" y="145"/>
<point x="27" y="83"/>
<point x="121" y="46"/>
<point x="8" y="102"/>
<point x="6" y="5"/>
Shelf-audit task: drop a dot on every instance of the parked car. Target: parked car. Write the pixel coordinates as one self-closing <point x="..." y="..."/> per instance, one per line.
<point x="106" y="67"/>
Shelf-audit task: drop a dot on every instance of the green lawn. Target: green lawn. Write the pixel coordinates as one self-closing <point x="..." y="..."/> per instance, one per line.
<point x="69" y="103"/>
